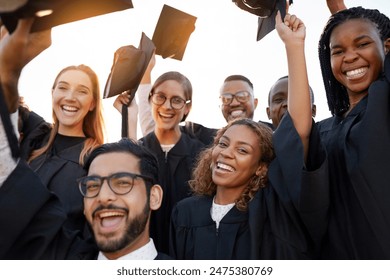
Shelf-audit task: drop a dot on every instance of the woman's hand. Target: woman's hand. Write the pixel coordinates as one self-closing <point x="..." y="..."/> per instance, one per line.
<point x="16" y="51"/>
<point x="124" y="99"/>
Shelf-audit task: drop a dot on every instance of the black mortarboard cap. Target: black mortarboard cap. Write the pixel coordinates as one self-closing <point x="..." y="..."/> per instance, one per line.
<point x="60" y="11"/>
<point x="266" y="11"/>
<point x="129" y="66"/>
<point x="173" y="30"/>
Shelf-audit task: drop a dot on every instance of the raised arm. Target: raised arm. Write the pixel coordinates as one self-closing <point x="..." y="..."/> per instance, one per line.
<point x="335" y="5"/>
<point x="292" y="31"/>
<point x="16" y="51"/>
<point x="145" y="111"/>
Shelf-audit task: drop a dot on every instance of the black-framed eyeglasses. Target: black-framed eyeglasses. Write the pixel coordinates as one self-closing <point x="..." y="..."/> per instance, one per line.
<point x="176" y="101"/>
<point x="120" y="183"/>
<point x="241" y="96"/>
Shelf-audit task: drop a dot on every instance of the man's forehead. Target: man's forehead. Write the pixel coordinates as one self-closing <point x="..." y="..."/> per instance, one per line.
<point x="235" y="86"/>
<point x="109" y="163"/>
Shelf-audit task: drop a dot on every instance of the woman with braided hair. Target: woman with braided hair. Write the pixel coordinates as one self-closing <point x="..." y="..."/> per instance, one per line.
<point x="353" y="52"/>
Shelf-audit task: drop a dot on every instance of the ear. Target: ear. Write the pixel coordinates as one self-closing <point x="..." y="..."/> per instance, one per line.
<point x="262" y="170"/>
<point x="255" y="102"/>
<point x="313" y="110"/>
<point x="92" y="106"/>
<point x="268" y="113"/>
<point x="387" y="45"/>
<point x="156" y="195"/>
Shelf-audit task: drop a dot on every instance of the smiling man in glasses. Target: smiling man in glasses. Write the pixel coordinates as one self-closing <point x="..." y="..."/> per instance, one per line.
<point x="237" y="99"/>
<point x="120" y="191"/>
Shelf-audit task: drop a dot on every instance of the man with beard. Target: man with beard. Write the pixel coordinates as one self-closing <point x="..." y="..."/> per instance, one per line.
<point x="120" y="192"/>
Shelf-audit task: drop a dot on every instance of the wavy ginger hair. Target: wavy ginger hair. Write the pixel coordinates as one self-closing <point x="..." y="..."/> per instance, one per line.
<point x="202" y="184"/>
<point x="93" y="124"/>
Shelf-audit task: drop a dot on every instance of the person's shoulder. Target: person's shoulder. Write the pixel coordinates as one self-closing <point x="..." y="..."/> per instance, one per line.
<point x="325" y="124"/>
<point x="267" y="124"/>
<point x="200" y="132"/>
<point x="162" y="256"/>
<point x="193" y="211"/>
<point x="147" y="138"/>
<point x="193" y="203"/>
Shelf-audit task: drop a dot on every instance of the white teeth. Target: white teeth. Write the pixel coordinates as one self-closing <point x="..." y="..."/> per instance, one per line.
<point x="356" y="73"/>
<point x="166" y="115"/>
<point x="109" y="214"/>
<point x="69" y="108"/>
<point x="236" y="113"/>
<point x="224" y="166"/>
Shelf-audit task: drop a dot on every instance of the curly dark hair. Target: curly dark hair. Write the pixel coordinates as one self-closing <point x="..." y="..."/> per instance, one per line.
<point x="202" y="183"/>
<point x="336" y="93"/>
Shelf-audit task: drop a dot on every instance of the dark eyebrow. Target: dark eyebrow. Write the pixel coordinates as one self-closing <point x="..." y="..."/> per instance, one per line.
<point x="66" y="83"/>
<point x="239" y="142"/>
<point x="361" y="37"/>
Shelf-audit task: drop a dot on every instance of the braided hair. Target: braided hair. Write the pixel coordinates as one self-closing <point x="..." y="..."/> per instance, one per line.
<point x="336" y="93"/>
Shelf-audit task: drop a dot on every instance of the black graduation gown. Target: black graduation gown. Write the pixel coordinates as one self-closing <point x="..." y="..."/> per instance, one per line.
<point x="37" y="232"/>
<point x="35" y="131"/>
<point x="285" y="220"/>
<point x="204" y="134"/>
<point x="358" y="148"/>
<point x="174" y="172"/>
<point x="200" y="132"/>
<point x="32" y="221"/>
<point x="59" y="172"/>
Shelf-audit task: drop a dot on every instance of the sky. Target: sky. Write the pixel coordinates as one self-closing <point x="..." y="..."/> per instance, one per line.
<point x="223" y="43"/>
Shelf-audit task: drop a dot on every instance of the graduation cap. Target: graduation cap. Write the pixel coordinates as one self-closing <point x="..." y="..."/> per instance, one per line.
<point x="50" y="13"/>
<point x="172" y="32"/>
<point x="128" y="68"/>
<point x="266" y="11"/>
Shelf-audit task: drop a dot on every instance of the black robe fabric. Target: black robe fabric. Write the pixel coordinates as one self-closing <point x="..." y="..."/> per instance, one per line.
<point x="200" y="132"/>
<point x="175" y="170"/>
<point x="285" y="220"/>
<point x="358" y="148"/>
<point x="59" y="172"/>
<point x="204" y="134"/>
<point x="32" y="221"/>
<point x="34" y="130"/>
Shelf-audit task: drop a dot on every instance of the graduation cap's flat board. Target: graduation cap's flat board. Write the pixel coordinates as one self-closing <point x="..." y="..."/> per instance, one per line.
<point x="128" y="68"/>
<point x="261" y="8"/>
<point x="172" y="32"/>
<point x="62" y="11"/>
<point x="266" y="11"/>
<point x="267" y="24"/>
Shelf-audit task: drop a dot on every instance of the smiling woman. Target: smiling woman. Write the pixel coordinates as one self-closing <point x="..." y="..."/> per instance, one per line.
<point x="56" y="152"/>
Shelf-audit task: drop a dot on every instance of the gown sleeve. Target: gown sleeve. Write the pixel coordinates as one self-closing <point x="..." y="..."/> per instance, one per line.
<point x="302" y="188"/>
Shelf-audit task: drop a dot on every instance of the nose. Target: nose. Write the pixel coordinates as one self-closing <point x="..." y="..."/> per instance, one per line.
<point x="71" y="95"/>
<point x="167" y="103"/>
<point x="350" y="56"/>
<point x="106" y="194"/>
<point x="227" y="152"/>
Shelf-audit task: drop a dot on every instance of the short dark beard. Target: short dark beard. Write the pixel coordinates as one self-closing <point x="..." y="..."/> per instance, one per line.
<point x="134" y="230"/>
